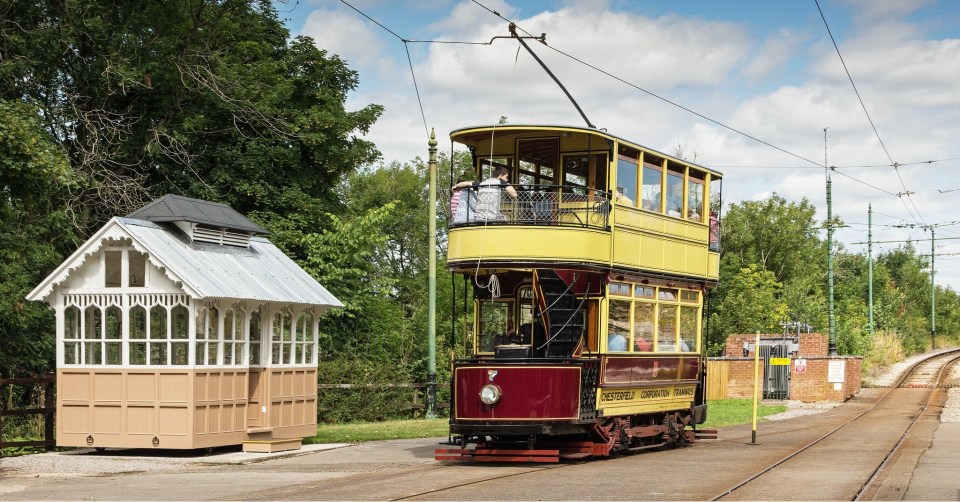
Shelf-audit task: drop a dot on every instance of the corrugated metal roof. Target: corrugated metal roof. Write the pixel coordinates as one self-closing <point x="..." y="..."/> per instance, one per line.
<point x="177" y="208"/>
<point x="260" y="272"/>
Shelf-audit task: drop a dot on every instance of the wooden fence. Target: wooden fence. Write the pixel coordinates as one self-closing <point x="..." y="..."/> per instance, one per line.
<point x="48" y="411"/>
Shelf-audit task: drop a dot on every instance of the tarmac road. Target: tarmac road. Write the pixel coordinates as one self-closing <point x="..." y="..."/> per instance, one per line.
<point x="390" y="470"/>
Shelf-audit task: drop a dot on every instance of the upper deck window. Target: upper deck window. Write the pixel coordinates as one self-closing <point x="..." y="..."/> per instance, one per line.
<point x="618" y="288"/>
<point x="538" y="161"/>
<point x="651" y="186"/>
<point x="674" y="190"/>
<point x="695" y="196"/>
<point x="626" y="180"/>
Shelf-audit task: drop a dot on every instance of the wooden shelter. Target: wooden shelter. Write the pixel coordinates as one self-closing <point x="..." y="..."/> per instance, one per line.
<point x="179" y="326"/>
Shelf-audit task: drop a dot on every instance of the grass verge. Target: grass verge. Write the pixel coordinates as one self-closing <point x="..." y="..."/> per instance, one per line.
<point x="721" y="413"/>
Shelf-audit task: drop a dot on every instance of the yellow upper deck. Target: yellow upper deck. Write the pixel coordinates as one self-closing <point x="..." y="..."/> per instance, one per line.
<point x="584" y="197"/>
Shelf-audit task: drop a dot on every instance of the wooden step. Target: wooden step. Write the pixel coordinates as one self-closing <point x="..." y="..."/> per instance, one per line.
<point x="271" y="445"/>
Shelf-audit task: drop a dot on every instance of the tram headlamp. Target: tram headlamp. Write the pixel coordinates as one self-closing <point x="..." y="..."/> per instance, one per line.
<point x="490" y="394"/>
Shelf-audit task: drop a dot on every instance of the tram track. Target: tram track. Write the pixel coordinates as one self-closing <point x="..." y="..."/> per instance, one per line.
<point x="925" y="374"/>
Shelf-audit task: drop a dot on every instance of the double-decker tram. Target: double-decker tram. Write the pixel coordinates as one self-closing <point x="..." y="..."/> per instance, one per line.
<point x="589" y="257"/>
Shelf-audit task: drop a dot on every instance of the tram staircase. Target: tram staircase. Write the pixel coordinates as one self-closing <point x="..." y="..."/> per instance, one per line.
<point x="562" y="313"/>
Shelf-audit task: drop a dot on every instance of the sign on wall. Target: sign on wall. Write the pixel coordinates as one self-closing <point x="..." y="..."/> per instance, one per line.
<point x="835" y="371"/>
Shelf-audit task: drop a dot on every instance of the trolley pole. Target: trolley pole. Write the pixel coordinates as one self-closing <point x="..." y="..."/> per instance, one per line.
<point x="432" y="285"/>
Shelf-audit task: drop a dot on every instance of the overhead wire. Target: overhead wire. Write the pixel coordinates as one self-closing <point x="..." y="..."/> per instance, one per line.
<point x="906" y="192"/>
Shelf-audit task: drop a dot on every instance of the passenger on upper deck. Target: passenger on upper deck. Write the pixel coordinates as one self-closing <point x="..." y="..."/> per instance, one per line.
<point x="488" y="193"/>
<point x="623" y="199"/>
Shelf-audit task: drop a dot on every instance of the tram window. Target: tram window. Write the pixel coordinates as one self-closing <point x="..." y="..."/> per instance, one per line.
<point x="674" y="193"/>
<point x="688" y="329"/>
<point x="538" y="161"/>
<point x="643" y="327"/>
<point x="495" y="320"/>
<point x="488" y="164"/>
<point x="689" y="296"/>
<point x="651" y="187"/>
<point x="525" y="329"/>
<point x="695" y="196"/>
<point x="618" y="326"/>
<point x="643" y="292"/>
<point x="576" y="171"/>
<point x="627" y="180"/>
<point x="669" y="295"/>
<point x="618" y="288"/>
<point x="667" y="333"/>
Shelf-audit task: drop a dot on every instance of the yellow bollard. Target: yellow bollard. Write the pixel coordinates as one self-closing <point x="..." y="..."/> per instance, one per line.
<point x="756" y="385"/>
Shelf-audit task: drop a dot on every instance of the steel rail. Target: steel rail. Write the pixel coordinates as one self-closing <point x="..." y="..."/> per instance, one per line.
<point x="536" y="469"/>
<point x="933" y="392"/>
<point x="890" y="389"/>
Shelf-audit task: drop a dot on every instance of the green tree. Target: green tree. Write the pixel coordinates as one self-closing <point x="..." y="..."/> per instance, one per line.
<point x="35" y="231"/>
<point x="750" y="303"/>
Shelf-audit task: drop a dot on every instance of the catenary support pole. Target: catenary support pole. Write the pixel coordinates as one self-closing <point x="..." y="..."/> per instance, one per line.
<point x="831" y="319"/>
<point x="870" y="266"/>
<point x="933" y="290"/>
<point x="432" y="284"/>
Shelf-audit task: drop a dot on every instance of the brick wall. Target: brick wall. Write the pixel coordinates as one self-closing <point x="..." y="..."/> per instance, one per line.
<point x="811" y="344"/>
<point x="809" y="385"/>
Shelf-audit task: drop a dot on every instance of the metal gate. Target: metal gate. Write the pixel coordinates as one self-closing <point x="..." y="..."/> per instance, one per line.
<point x="776" y="377"/>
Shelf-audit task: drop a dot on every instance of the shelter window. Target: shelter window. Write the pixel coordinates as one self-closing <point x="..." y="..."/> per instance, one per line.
<point x="92" y="333"/>
<point x="652" y="181"/>
<point x="695" y="196"/>
<point x="71" y="334"/>
<point x="112" y="268"/>
<point x="180" y="344"/>
<point x="138" y="336"/>
<point x="304" y="339"/>
<point x="618" y="326"/>
<point x="158" y="336"/>
<point x="208" y="335"/>
<point x="254" y="333"/>
<point x="674" y="190"/>
<point x="626" y="180"/>
<point x="281" y="342"/>
<point x="495" y="321"/>
<point x="112" y="335"/>
<point x="137" y="263"/>
<point x="538" y="161"/>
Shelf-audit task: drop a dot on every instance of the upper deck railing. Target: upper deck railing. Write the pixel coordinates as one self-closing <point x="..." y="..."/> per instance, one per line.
<point x="533" y="205"/>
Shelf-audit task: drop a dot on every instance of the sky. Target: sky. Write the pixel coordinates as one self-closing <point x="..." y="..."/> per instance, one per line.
<point x="746" y="86"/>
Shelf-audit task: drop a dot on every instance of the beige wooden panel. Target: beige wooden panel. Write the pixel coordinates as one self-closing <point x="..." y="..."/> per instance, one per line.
<point x="174" y="387"/>
<point x="107" y="420"/>
<point x="73" y="419"/>
<point x="213" y="386"/>
<point x="107" y="387"/>
<point x="718" y="376"/>
<point x="200" y="386"/>
<point x="200" y="420"/>
<point x="74" y="386"/>
<point x="173" y="421"/>
<point x="141" y="387"/>
<point x="213" y="419"/>
<point x="141" y="420"/>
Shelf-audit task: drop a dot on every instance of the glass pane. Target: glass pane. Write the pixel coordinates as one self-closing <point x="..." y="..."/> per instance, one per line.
<point x="113" y="353"/>
<point x="674" y="193"/>
<point x="228" y="324"/>
<point x="298" y="355"/>
<point x="71" y="323"/>
<point x="299" y="333"/>
<point x="114" y="323"/>
<point x="694" y="200"/>
<point x="277" y="326"/>
<point x="643" y="327"/>
<point x="200" y="353"/>
<point x="227" y="352"/>
<point x="308" y="332"/>
<point x="651" y="188"/>
<point x="667" y="325"/>
<point x="575" y="172"/>
<point x="201" y="327"/>
<point x="287" y="326"/>
<point x="239" y="319"/>
<point x="180" y="315"/>
<point x="255" y="353"/>
<point x="618" y="326"/>
<point x="137" y="263"/>
<point x="179" y="353"/>
<point x="276" y="353"/>
<point x="158" y="323"/>
<point x="94" y="323"/>
<point x="92" y="353"/>
<point x="255" y="326"/>
<point x="494" y="323"/>
<point x="138" y="353"/>
<point x="213" y="321"/>
<point x="688" y="329"/>
<point x="668" y="295"/>
<point x="158" y="353"/>
<point x="71" y="353"/>
<point x="138" y="323"/>
<point x="112" y="273"/>
<point x="212" y="349"/>
<point x="626" y="182"/>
